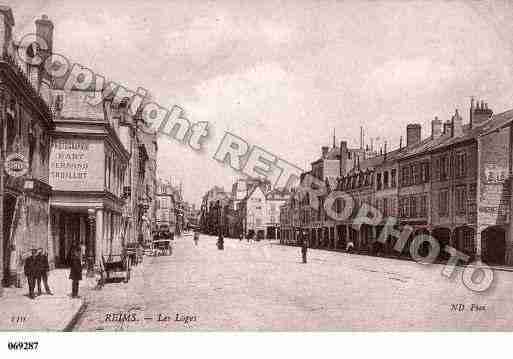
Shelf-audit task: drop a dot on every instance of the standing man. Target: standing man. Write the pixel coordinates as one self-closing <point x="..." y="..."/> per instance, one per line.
<point x="43" y="268"/>
<point x="196" y="237"/>
<point x="30" y="269"/>
<point x="75" y="273"/>
<point x="220" y="242"/>
<point x="304" y="249"/>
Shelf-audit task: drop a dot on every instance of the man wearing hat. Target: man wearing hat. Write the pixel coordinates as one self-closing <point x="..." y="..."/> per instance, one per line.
<point x="43" y="268"/>
<point x="31" y="272"/>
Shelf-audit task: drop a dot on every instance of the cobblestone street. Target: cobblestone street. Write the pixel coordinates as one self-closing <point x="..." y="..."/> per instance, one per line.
<point x="264" y="286"/>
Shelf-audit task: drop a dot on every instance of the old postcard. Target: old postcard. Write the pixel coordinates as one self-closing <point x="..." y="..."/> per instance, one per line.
<point x="299" y="166"/>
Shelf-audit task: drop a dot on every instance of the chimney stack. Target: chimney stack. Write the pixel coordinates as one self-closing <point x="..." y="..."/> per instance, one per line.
<point x="343" y="158"/>
<point x="44" y="31"/>
<point x="324" y="151"/>
<point x="6" y="25"/>
<point x="447" y="128"/>
<point x="413" y="134"/>
<point x="456" y="125"/>
<point x="479" y="113"/>
<point x="436" y="128"/>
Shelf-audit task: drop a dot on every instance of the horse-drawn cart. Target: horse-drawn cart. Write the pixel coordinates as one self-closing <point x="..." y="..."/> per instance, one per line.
<point x="116" y="264"/>
<point x="162" y="247"/>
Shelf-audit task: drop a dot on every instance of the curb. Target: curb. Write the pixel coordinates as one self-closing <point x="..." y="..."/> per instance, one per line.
<point x="69" y="327"/>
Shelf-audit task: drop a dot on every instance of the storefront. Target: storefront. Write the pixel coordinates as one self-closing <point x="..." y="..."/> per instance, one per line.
<point x="87" y="175"/>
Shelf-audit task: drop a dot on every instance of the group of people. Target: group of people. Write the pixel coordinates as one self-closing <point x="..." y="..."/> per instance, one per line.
<point x="36" y="270"/>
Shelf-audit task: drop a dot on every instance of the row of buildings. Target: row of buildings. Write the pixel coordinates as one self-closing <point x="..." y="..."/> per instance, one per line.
<point x="74" y="174"/>
<point x="454" y="184"/>
<point x="250" y="209"/>
<point x="173" y="214"/>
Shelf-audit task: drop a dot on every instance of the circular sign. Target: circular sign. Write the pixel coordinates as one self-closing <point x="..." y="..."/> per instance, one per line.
<point x="16" y="165"/>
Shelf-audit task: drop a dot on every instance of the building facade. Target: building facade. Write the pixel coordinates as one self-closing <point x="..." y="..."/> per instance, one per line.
<point x="26" y="123"/>
<point x="454" y="185"/>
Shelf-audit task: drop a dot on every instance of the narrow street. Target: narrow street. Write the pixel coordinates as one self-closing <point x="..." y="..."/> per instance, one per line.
<point x="264" y="286"/>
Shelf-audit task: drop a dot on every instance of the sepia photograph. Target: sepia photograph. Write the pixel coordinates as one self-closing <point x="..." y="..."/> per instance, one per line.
<point x="255" y="166"/>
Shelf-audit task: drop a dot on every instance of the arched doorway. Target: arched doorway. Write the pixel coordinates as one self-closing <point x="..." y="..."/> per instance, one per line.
<point x="493" y="245"/>
<point x="443" y="236"/>
<point x="425" y="247"/>
<point x="464" y="240"/>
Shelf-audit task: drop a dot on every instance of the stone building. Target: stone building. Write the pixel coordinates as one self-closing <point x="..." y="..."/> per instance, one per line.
<point x="27" y="123"/>
<point x="454" y="185"/>
<point x="88" y="163"/>
<point x="165" y="207"/>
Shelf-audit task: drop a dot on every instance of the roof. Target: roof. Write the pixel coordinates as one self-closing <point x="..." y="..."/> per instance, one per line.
<point x="333" y="154"/>
<point x="496" y="122"/>
<point x="8" y="14"/>
<point x="76" y="105"/>
<point x="253" y="189"/>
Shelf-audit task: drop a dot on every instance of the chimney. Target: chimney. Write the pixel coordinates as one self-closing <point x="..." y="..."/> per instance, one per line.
<point x="479" y="113"/>
<point x="413" y="133"/>
<point x="44" y="31"/>
<point x="6" y="25"/>
<point x="324" y="150"/>
<point x="436" y="128"/>
<point x="400" y="142"/>
<point x="447" y="128"/>
<point x="343" y="158"/>
<point x="456" y="125"/>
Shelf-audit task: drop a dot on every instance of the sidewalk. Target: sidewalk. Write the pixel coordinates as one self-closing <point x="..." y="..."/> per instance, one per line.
<point x="46" y="312"/>
<point x="503" y="268"/>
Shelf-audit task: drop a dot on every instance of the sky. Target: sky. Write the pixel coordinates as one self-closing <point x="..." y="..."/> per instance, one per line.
<point x="284" y="75"/>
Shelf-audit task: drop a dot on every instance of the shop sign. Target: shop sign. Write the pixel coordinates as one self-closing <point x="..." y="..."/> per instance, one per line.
<point x="16" y="165"/>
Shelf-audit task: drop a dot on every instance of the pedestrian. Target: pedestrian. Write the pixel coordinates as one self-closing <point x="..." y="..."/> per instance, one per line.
<point x="220" y="242"/>
<point x="75" y="273"/>
<point x="43" y="268"/>
<point x="304" y="249"/>
<point x="241" y="237"/>
<point x="30" y="269"/>
<point x="196" y="237"/>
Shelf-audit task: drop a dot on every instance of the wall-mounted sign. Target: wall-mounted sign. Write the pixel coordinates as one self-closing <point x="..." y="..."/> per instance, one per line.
<point x="16" y="165"/>
<point x="494" y="173"/>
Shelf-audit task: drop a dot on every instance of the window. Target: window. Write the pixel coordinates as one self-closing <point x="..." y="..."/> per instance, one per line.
<point x="444" y="168"/>
<point x="378" y="181"/>
<point x="413" y="207"/>
<point x="385" y="179"/>
<point x="404" y="204"/>
<point x="437" y="169"/>
<point x="423" y="206"/>
<point x="405" y="180"/>
<point x="443" y="203"/>
<point x="460" y="165"/>
<point x="415" y="174"/>
<point x="385" y="207"/>
<point x="461" y="200"/>
<point x="393" y="182"/>
<point x="468" y="241"/>
<point x="425" y="172"/>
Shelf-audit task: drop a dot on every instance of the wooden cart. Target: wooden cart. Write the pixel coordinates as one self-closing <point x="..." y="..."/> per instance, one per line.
<point x="115" y="264"/>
